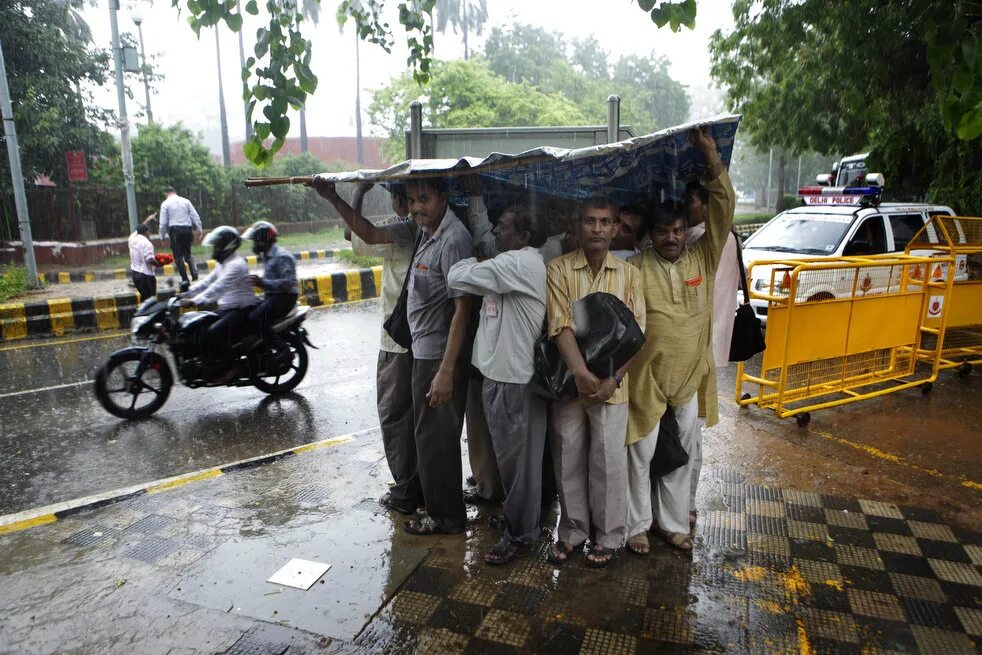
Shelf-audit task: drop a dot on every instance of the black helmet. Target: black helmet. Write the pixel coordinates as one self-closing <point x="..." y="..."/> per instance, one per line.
<point x="263" y="236"/>
<point x="224" y="241"/>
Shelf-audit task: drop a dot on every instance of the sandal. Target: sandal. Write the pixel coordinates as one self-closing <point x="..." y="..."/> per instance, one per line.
<point x="426" y="526"/>
<point x="386" y="502"/>
<point x="560" y="552"/>
<point x="677" y="540"/>
<point x="638" y="544"/>
<point x="504" y="551"/>
<point x="599" y="557"/>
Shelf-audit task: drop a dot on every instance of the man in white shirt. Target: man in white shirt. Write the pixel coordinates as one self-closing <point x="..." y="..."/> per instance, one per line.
<point x="513" y="286"/>
<point x="141" y="262"/>
<point x="228" y="285"/>
<point x="180" y="222"/>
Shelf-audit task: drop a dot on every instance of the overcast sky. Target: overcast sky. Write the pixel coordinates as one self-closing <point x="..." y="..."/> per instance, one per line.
<point x="189" y="92"/>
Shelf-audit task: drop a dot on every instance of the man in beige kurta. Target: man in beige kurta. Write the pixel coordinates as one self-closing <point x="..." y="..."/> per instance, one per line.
<point x="677" y="354"/>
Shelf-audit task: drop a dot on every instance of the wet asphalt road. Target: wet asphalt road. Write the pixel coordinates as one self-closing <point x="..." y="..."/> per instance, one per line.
<point x="59" y="444"/>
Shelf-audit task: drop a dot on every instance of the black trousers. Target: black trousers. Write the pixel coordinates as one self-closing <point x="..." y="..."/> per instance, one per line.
<point x="181" y="238"/>
<point x="146" y="285"/>
<point x="223" y="334"/>
<point x="394" y="381"/>
<point x="273" y="307"/>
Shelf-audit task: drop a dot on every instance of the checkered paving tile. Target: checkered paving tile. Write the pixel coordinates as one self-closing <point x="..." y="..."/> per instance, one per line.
<point x="774" y="571"/>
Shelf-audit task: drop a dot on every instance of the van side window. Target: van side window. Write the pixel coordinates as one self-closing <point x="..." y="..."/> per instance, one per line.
<point x="904" y="227"/>
<point x="869" y="239"/>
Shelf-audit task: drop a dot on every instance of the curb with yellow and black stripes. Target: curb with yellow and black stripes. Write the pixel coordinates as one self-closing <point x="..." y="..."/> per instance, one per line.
<point x="66" y="277"/>
<point x="60" y="316"/>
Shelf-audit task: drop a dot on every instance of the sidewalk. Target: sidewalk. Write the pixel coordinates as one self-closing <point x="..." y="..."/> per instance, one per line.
<point x="182" y="569"/>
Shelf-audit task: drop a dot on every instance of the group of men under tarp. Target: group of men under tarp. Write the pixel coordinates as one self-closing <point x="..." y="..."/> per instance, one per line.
<point x="524" y="275"/>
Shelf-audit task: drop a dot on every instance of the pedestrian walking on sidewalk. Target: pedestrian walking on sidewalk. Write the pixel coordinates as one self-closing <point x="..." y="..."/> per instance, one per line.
<point x="181" y="224"/>
<point x="142" y="261"/>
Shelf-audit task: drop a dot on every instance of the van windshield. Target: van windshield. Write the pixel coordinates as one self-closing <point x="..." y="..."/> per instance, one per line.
<point x="810" y="234"/>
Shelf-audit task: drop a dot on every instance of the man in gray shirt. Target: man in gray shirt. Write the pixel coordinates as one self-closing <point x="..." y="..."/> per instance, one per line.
<point x="513" y="286"/>
<point x="438" y="323"/>
<point x="180" y="222"/>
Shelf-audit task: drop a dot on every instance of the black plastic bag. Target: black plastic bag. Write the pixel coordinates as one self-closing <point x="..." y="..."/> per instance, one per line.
<point x="669" y="453"/>
<point x="748" y="336"/>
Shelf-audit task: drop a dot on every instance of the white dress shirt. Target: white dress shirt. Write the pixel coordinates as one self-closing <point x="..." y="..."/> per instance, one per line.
<point x="228" y="284"/>
<point x="140" y="251"/>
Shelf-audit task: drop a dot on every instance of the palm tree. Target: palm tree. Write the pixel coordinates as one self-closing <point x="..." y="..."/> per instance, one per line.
<point x="467" y="15"/>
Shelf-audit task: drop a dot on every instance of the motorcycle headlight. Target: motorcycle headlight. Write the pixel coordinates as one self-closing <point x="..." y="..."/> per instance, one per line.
<point x="138" y="322"/>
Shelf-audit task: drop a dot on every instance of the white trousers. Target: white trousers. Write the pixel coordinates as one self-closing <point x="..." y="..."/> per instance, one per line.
<point x="669" y="498"/>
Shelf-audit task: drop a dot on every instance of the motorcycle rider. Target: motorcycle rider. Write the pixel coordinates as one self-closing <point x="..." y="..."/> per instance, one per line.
<point x="278" y="282"/>
<point x="229" y="285"/>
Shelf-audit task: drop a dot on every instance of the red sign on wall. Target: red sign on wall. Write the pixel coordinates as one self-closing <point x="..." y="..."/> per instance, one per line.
<point x="77" y="170"/>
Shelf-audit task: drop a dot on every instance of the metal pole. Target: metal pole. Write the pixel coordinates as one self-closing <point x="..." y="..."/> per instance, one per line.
<point x="17" y="176"/>
<point x="767" y="191"/>
<point x="124" y="125"/>
<point x="146" y="81"/>
<point x="359" y="145"/>
<point x="226" y="153"/>
<point x="242" y="60"/>
<point x="799" y="174"/>
<point x="303" y="131"/>
<point x="415" y="129"/>
<point x="613" y="119"/>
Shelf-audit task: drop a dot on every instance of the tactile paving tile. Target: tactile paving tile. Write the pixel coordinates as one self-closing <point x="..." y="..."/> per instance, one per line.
<point x="845" y="519"/>
<point x="915" y="586"/>
<point x="876" y="508"/>
<point x="673" y="624"/>
<point x="314" y="495"/>
<point x="808" y="498"/>
<point x="974" y="552"/>
<point x="769" y="508"/>
<point x="724" y="529"/>
<point x="729" y="475"/>
<point x="633" y="591"/>
<point x="533" y="574"/>
<point x="806" y="530"/>
<point x="876" y="604"/>
<point x="835" y="626"/>
<point x="440" y="641"/>
<point x="414" y="607"/>
<point x="474" y="591"/>
<point x="857" y="556"/>
<point x="971" y="620"/>
<point x="520" y="598"/>
<point x="897" y="543"/>
<point x="767" y="525"/>
<point x="768" y="543"/>
<point x="819" y="572"/>
<point x="151" y="549"/>
<point x="932" y="641"/>
<point x="504" y="628"/>
<point x="760" y="492"/>
<point x="599" y="642"/>
<point x="933" y="531"/>
<point x="956" y="572"/>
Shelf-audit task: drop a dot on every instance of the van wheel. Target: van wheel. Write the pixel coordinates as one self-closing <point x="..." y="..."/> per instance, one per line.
<point x="964" y="370"/>
<point x="926" y="388"/>
<point x="824" y="295"/>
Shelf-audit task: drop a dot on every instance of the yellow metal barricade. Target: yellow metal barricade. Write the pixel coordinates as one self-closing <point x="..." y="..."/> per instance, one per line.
<point x="841" y="330"/>
<point x="955" y="239"/>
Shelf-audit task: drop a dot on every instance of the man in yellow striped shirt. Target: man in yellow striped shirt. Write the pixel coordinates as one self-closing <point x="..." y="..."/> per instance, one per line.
<point x="588" y="434"/>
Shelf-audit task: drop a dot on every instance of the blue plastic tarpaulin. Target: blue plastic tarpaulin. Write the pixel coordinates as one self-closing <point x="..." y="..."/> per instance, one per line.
<point x="650" y="168"/>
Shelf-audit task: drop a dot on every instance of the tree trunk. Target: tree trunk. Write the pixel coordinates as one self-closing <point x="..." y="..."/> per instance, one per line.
<point x="782" y="161"/>
<point x="464" y="7"/>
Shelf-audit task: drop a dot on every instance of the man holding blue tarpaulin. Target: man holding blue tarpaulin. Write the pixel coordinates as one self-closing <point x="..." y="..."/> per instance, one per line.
<point x="677" y="355"/>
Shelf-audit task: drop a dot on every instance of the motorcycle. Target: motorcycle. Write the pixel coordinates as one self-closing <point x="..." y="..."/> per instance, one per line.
<point x="135" y="382"/>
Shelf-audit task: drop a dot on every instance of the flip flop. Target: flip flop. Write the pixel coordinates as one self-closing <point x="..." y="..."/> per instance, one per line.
<point x="638" y="544"/>
<point x="560" y="552"/>
<point x="606" y="554"/>
<point x="426" y="526"/>
<point x="386" y="502"/>
<point x="504" y="551"/>
<point x="677" y="540"/>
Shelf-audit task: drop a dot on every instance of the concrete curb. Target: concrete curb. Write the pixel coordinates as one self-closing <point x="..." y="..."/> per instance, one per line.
<point x="59" y="316"/>
<point x="51" y="513"/>
<point x="66" y="277"/>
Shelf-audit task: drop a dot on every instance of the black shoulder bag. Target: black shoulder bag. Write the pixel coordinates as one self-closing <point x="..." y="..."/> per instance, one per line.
<point x="397" y="323"/>
<point x="748" y="337"/>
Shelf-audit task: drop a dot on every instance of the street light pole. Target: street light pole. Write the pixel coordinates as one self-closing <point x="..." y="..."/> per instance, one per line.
<point x="16" y="176"/>
<point x="124" y="125"/>
<point x="138" y="19"/>
<point x="226" y="151"/>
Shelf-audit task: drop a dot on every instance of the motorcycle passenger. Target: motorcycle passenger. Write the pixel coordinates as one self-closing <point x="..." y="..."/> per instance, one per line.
<point x="229" y="285"/>
<point x="278" y="282"/>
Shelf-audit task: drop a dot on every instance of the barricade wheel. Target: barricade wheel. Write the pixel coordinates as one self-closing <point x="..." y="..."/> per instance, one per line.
<point x="804" y="419"/>
<point x="745" y="396"/>
<point x="926" y="388"/>
<point x="964" y="370"/>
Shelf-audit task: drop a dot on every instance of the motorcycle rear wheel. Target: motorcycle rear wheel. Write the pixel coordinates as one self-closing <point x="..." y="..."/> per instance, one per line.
<point x="120" y="384"/>
<point x="278" y="384"/>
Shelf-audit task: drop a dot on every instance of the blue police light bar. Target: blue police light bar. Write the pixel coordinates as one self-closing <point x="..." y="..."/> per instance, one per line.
<point x="839" y="191"/>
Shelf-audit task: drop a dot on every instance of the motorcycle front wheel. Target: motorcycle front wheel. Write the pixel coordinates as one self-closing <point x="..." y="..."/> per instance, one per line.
<point x="277" y="384"/>
<point x="129" y="389"/>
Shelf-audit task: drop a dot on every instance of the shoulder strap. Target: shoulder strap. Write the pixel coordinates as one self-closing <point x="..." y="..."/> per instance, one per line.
<point x="743" y="269"/>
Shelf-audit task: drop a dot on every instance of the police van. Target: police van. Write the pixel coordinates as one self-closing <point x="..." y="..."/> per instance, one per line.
<point x="833" y="222"/>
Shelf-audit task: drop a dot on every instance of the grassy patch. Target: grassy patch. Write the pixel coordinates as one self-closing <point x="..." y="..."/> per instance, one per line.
<point x="13" y="281"/>
<point x="358" y="260"/>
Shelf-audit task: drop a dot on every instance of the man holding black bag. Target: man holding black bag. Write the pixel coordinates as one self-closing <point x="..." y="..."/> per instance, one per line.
<point x="588" y="431"/>
<point x="677" y="356"/>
